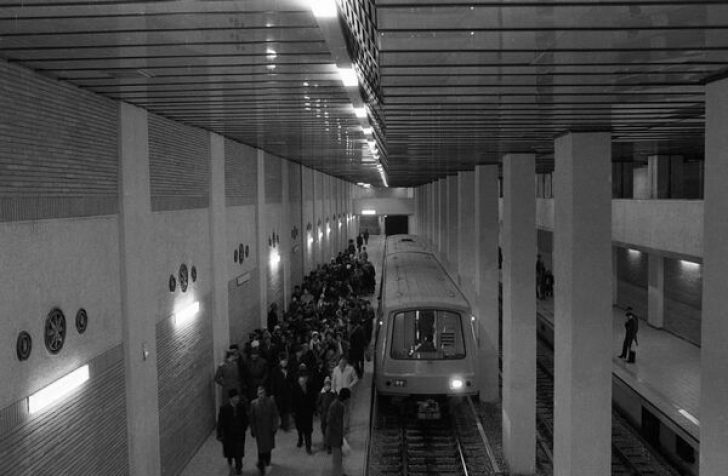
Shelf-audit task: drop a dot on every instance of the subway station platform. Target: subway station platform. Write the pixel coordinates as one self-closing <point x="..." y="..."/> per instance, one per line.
<point x="289" y="460"/>
<point x="666" y="372"/>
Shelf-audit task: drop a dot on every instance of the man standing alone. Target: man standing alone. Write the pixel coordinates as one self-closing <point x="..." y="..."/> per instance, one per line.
<point x="631" y="326"/>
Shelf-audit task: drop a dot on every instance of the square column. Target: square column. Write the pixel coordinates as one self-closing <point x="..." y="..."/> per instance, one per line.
<point x="583" y="305"/>
<point x="519" y="312"/>
<point x="218" y="240"/>
<point x="656" y="290"/>
<point x="261" y="225"/>
<point x="452" y="222"/>
<point x="487" y="279"/>
<point x="714" y="351"/>
<point x="137" y="298"/>
<point x="466" y="226"/>
<point x="442" y="216"/>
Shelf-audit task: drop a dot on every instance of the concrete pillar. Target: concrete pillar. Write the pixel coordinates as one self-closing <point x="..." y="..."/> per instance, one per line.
<point x="284" y="247"/>
<point x="714" y="351"/>
<point x="261" y="225"/>
<point x="433" y="213"/>
<point x="656" y="290"/>
<point x="442" y="214"/>
<point x="658" y="173"/>
<point x="218" y="250"/>
<point x="677" y="176"/>
<point x="615" y="276"/>
<point x="452" y="221"/>
<point x="519" y="312"/>
<point x="583" y="311"/>
<point x="487" y="279"/>
<point x="465" y="232"/>
<point x="140" y="348"/>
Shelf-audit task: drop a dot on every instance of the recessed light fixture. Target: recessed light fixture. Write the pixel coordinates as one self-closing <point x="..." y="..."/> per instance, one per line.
<point x="348" y="76"/>
<point x="271" y="66"/>
<point x="323" y="8"/>
<point x="305" y="83"/>
<point x="271" y="54"/>
<point x="367" y="130"/>
<point x="360" y="112"/>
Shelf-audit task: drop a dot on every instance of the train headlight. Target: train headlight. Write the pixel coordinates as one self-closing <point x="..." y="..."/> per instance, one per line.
<point x="456" y="383"/>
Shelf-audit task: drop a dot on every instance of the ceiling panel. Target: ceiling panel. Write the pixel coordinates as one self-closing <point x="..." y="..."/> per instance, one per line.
<point x="448" y="84"/>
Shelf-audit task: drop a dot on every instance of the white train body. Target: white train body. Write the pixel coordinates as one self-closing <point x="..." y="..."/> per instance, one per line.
<point x="426" y="337"/>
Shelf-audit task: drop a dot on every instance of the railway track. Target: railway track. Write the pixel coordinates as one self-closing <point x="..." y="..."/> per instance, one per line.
<point x="452" y="445"/>
<point x="631" y="455"/>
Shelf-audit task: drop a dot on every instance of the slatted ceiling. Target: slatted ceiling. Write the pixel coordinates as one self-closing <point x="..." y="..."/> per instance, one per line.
<point x="449" y="84"/>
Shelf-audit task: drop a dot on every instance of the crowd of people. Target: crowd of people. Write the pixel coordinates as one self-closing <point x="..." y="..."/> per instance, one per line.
<point x="304" y="363"/>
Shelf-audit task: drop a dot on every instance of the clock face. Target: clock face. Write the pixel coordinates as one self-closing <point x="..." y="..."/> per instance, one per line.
<point x="55" y="331"/>
<point x="24" y="346"/>
<point x="183" y="278"/>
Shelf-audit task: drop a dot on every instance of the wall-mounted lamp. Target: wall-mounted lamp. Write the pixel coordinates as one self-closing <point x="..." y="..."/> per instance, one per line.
<point x="57" y="390"/>
<point x="185" y="315"/>
<point x="323" y="8"/>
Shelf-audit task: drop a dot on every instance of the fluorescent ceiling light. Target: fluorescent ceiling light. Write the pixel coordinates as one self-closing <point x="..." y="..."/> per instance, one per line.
<point x="367" y="130"/>
<point x="360" y="112"/>
<point x="271" y="66"/>
<point x="368" y="212"/>
<point x="185" y="315"/>
<point x="271" y="54"/>
<point x="690" y="417"/>
<point x="323" y="8"/>
<point x="348" y="76"/>
<point x="57" y="390"/>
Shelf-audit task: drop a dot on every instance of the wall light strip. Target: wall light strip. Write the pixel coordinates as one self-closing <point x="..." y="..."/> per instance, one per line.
<point x="348" y="76"/>
<point x="57" y="390"/>
<point x="323" y="8"/>
<point x="185" y="315"/>
<point x="689" y="416"/>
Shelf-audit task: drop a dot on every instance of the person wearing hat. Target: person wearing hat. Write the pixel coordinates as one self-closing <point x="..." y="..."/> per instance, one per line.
<point x="232" y="423"/>
<point x="304" y="406"/>
<point x="228" y="373"/>
<point x="631" y="326"/>
<point x="282" y="379"/>
<point x="324" y="401"/>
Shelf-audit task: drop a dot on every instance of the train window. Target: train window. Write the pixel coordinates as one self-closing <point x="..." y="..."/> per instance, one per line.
<point x="427" y="335"/>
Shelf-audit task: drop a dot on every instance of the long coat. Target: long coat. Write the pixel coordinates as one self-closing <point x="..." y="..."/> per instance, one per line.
<point x="304" y="406"/>
<point x="264" y="423"/>
<point x="335" y="424"/>
<point x="232" y="423"/>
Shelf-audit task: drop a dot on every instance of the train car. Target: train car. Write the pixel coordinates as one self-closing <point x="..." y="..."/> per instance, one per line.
<point x="426" y="336"/>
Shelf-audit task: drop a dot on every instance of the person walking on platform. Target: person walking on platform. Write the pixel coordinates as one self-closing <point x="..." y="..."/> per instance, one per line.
<point x="232" y="423"/>
<point x="631" y="326"/>
<point x="228" y="373"/>
<point x="366" y="236"/>
<point x="263" y="426"/>
<point x="335" y="430"/>
<point x="324" y="401"/>
<point x="281" y="383"/>
<point x="359" y="242"/>
<point x="304" y="406"/>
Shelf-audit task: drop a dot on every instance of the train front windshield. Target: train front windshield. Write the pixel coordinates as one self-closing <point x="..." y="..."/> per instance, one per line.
<point x="427" y="335"/>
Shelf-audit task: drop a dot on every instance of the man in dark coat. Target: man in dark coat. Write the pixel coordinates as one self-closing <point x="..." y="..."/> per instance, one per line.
<point x="359" y="243"/>
<point x="630" y="327"/>
<point x="304" y="406"/>
<point x="335" y="430"/>
<point x="282" y="380"/>
<point x="357" y="345"/>
<point x="263" y="426"/>
<point x="366" y="236"/>
<point x="232" y="423"/>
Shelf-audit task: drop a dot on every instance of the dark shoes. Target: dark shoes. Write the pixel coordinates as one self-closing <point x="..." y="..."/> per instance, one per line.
<point x="300" y="443"/>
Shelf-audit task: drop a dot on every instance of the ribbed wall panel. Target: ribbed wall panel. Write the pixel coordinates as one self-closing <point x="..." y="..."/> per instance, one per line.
<point x="84" y="435"/>
<point x="241" y="177"/>
<point x="58" y="149"/>
<point x="179" y="165"/>
<point x="186" y="395"/>
<point x="273" y="168"/>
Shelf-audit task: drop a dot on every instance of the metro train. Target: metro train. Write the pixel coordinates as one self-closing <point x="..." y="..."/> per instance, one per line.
<point x="426" y="339"/>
